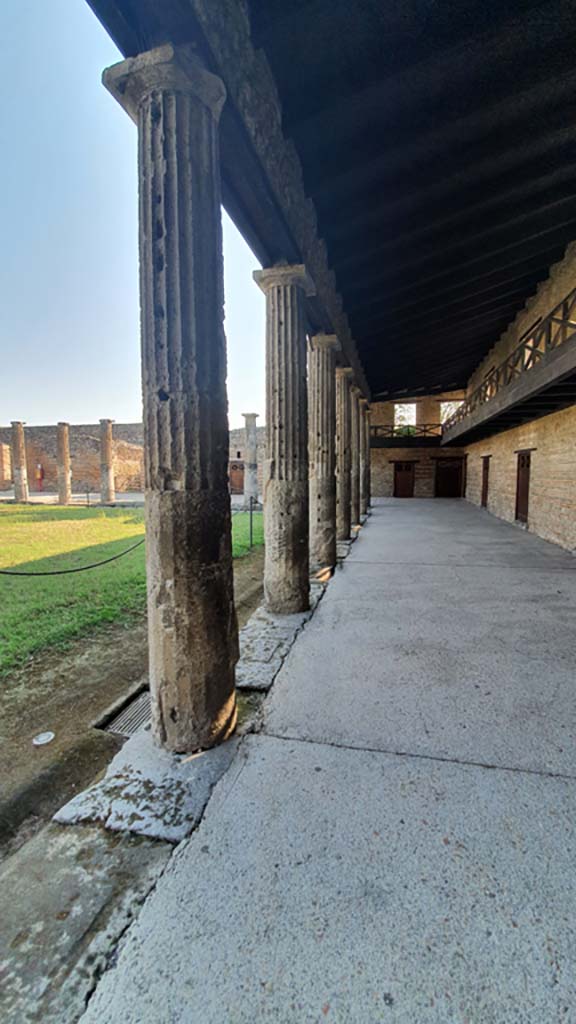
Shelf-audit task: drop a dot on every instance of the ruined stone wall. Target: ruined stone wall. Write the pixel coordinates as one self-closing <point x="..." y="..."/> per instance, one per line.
<point x="238" y="444"/>
<point x="41" y="446"/>
<point x="382" y="468"/>
<point x="561" y="280"/>
<point x="5" y="467"/>
<point x="552" y="499"/>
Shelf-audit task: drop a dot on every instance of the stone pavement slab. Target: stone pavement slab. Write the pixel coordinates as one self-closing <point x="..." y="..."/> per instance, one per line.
<point x="327" y="884"/>
<point x="150" y="792"/>
<point x="65" y="899"/>
<point x="465" y="662"/>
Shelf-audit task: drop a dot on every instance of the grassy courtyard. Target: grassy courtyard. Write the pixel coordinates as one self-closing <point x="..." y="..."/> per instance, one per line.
<point x="38" y="613"/>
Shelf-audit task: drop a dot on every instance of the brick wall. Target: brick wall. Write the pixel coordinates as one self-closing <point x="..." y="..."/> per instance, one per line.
<point x="382" y="469"/>
<point x="5" y="467"/>
<point x="552" y="500"/>
<point x="41" y="446"/>
<point x="238" y="444"/>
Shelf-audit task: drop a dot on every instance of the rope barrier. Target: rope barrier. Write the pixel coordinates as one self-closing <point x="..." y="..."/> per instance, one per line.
<point x="80" y="568"/>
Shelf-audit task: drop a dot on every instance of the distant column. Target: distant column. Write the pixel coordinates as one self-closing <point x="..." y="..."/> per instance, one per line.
<point x="343" y="378"/>
<point x="250" y="459"/>
<point x="286" y="568"/>
<point x="192" y="628"/>
<point x="107" y="489"/>
<point x="19" y="469"/>
<point x="63" y="464"/>
<point x="368" y="456"/>
<point x="355" y="455"/>
<point x="321" y="449"/>
<point x="364" y="456"/>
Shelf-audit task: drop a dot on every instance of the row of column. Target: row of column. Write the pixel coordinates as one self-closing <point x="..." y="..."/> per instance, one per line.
<point x="63" y="466"/>
<point x="193" y="639"/>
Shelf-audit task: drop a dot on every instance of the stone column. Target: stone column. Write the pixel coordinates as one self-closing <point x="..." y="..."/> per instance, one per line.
<point x="354" y="455"/>
<point x="364" y="455"/>
<point x="286" y="569"/>
<point x="63" y="464"/>
<point x="343" y="378"/>
<point x="19" y="469"/>
<point x="250" y="460"/>
<point x="368" y="457"/>
<point x="322" y="450"/>
<point x="107" y="488"/>
<point x="192" y="629"/>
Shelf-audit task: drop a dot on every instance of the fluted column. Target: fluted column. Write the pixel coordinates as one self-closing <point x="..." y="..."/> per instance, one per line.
<point x="322" y="449"/>
<point x="368" y="457"/>
<point x="286" y="570"/>
<point x="354" y="455"/>
<point x="63" y="464"/>
<point x="250" y="459"/>
<point x="192" y="628"/>
<point x="343" y="378"/>
<point x="19" y="468"/>
<point x="107" y="485"/>
<point x="364" y="456"/>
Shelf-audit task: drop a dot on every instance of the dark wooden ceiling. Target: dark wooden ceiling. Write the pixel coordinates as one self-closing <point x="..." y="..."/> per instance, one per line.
<point x="438" y="142"/>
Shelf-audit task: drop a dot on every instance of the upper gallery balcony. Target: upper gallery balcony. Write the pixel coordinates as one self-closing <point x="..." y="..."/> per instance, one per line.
<point x="394" y="435"/>
<point x="537" y="378"/>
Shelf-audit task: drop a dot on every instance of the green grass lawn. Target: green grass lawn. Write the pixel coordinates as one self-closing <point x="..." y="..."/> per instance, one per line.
<point x="37" y="613"/>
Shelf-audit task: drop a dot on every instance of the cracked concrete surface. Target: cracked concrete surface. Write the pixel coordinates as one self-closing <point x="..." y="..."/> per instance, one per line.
<point x="397" y="844"/>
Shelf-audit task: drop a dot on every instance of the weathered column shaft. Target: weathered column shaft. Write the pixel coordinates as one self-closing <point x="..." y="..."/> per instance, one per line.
<point x="63" y="464"/>
<point x="355" y="455"/>
<point x="322" y="450"/>
<point x="19" y="468"/>
<point x="368" y="457"/>
<point x="193" y="635"/>
<point x="286" y="568"/>
<point x="250" y="460"/>
<point x="343" y="377"/>
<point x="364" y="455"/>
<point x="107" y="486"/>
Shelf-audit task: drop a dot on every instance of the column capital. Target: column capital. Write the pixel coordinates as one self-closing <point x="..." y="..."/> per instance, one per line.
<point x="345" y="371"/>
<point x="167" y="68"/>
<point x="250" y="415"/>
<point x="365" y="402"/>
<point x="356" y="390"/>
<point x="322" y="340"/>
<point x="62" y="423"/>
<point x="105" y="420"/>
<point x="17" y="423"/>
<point x="285" y="274"/>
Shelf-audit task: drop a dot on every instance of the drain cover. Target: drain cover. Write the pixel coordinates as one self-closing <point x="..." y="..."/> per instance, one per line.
<point x="133" y="716"/>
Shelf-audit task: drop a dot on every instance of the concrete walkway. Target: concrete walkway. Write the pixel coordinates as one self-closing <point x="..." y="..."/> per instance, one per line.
<point x="399" y="843"/>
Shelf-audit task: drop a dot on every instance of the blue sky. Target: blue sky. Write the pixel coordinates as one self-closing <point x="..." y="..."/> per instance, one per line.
<point x="69" y="335"/>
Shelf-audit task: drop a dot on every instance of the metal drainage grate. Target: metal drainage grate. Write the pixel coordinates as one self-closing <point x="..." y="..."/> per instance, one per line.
<point x="133" y="716"/>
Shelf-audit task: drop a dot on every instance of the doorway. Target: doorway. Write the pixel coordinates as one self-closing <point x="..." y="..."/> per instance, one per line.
<point x="403" y="479"/>
<point x="236" y="476"/>
<point x="485" y="480"/>
<point x="449" y="478"/>
<point x="522" y="487"/>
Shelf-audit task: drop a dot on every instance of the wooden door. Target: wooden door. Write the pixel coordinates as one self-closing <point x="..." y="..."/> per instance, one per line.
<point x="449" y="478"/>
<point x="485" y="479"/>
<point x="236" y="476"/>
<point x="523" y="486"/>
<point x="403" y="479"/>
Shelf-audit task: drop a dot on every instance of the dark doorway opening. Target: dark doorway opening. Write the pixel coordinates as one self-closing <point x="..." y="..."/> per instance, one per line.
<point x="236" y="476"/>
<point x="403" y="479"/>
<point x="485" y="480"/>
<point x="522" y="487"/>
<point x="449" y="478"/>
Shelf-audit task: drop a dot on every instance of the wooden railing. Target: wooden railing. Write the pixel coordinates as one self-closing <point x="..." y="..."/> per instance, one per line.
<point x="552" y="332"/>
<point x="407" y="430"/>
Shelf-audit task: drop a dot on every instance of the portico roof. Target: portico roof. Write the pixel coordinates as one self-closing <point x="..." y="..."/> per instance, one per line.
<point x="437" y="142"/>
